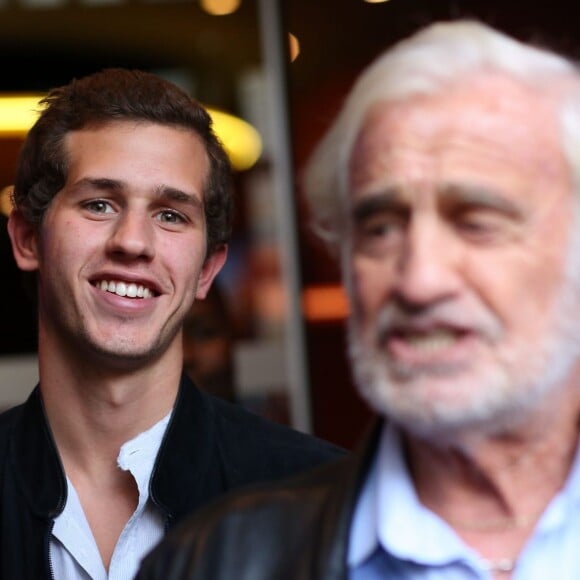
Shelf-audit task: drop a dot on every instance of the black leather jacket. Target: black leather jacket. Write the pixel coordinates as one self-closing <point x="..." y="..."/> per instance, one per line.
<point x="209" y="448"/>
<point x="295" y="529"/>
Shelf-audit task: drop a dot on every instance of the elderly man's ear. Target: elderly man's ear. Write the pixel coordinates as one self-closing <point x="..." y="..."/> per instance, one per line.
<point x="24" y="238"/>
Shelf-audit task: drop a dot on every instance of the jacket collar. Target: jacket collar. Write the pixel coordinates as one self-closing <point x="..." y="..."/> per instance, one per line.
<point x="343" y="495"/>
<point x="36" y="461"/>
<point x="188" y="469"/>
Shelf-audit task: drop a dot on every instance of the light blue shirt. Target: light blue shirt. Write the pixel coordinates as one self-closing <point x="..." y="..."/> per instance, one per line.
<point x="74" y="554"/>
<point x="394" y="536"/>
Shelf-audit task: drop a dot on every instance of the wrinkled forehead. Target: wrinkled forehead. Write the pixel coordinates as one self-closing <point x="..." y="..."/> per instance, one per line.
<point x="490" y="115"/>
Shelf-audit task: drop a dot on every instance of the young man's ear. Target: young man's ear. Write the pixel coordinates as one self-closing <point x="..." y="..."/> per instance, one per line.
<point x="24" y="238"/>
<point x="211" y="267"/>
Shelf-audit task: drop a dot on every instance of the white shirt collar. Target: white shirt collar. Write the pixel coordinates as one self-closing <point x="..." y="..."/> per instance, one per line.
<point x="138" y="456"/>
<point x="389" y="513"/>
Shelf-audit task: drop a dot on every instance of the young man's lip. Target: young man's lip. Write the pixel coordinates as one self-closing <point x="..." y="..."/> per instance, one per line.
<point x="127" y="282"/>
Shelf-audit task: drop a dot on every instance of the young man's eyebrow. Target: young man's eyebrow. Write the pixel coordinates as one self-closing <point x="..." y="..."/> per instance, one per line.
<point x="163" y="191"/>
<point x="175" y="194"/>
<point x="100" y="183"/>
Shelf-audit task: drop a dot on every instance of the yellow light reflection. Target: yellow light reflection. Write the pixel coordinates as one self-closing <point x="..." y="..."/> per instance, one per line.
<point x="5" y="200"/>
<point x="240" y="140"/>
<point x="17" y="114"/>
<point x="220" y="7"/>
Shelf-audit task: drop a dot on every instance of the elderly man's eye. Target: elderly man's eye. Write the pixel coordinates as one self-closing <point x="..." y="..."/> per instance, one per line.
<point x="377" y="234"/>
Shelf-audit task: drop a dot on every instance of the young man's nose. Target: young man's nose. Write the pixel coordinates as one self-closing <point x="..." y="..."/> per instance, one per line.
<point x="133" y="235"/>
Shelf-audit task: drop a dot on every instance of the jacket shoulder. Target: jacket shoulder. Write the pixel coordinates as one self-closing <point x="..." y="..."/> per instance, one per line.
<point x="266" y="446"/>
<point x="273" y="530"/>
<point x="7" y="419"/>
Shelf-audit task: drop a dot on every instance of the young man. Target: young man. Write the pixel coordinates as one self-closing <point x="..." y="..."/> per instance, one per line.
<point x="122" y="210"/>
<point x="451" y="180"/>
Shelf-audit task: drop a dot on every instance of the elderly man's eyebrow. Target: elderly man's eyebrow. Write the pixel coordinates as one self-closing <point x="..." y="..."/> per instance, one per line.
<point x="386" y="200"/>
<point x="453" y="195"/>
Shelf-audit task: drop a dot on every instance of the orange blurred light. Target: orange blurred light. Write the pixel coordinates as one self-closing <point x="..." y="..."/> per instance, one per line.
<point x="6" y="200"/>
<point x="324" y="303"/>
<point x="220" y="7"/>
<point x="294" y="47"/>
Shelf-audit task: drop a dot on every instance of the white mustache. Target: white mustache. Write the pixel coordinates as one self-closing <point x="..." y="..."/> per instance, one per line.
<point x="471" y="318"/>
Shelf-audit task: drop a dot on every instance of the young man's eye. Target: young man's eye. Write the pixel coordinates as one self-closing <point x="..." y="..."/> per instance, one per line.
<point x="99" y="206"/>
<point x="170" y="217"/>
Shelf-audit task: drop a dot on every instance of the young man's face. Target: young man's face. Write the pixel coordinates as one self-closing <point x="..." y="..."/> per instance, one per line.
<point x="121" y="252"/>
<point x="461" y="213"/>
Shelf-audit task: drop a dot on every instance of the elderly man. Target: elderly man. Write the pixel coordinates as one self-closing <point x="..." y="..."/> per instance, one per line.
<point x="449" y="179"/>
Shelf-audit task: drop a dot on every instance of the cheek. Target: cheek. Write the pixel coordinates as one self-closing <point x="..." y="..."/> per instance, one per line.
<point x="183" y="258"/>
<point x="371" y="287"/>
<point x="520" y="289"/>
<point x="67" y="237"/>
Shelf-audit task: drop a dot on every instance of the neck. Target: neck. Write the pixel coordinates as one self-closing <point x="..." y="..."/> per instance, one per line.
<point x="94" y="410"/>
<point x="492" y="489"/>
<point x="536" y="453"/>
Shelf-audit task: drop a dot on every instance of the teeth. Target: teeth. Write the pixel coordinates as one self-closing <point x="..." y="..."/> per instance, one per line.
<point x="431" y="341"/>
<point x="130" y="290"/>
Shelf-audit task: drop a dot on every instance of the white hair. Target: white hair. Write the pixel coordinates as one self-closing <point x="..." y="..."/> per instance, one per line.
<point x="427" y="63"/>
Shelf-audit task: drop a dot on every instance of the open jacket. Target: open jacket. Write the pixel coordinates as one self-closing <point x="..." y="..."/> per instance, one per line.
<point x="210" y="447"/>
<point x="296" y="529"/>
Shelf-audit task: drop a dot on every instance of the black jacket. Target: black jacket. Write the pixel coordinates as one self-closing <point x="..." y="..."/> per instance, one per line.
<point x="210" y="447"/>
<point x="295" y="529"/>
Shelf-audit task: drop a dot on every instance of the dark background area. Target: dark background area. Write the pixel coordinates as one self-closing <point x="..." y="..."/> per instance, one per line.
<point x="47" y="47"/>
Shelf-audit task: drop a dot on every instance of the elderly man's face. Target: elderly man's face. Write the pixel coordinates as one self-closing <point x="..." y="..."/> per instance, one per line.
<point x="461" y="214"/>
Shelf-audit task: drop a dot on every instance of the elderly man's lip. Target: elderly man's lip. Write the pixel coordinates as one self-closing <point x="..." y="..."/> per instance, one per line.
<point x="423" y="330"/>
<point x="416" y="345"/>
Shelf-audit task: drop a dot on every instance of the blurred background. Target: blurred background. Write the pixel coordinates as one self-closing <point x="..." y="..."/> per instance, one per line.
<point x="271" y="335"/>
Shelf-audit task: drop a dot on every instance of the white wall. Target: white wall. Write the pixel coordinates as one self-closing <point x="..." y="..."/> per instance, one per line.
<point x="18" y="376"/>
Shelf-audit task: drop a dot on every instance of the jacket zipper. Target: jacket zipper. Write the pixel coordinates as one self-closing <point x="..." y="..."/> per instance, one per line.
<point x="48" y="560"/>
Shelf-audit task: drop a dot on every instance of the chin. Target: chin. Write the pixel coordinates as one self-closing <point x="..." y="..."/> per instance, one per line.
<point x="427" y="411"/>
<point x="124" y="353"/>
